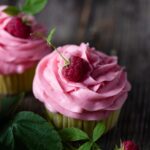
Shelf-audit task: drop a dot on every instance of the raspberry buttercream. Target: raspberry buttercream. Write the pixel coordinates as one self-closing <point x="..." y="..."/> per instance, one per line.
<point x="17" y="54"/>
<point x="103" y="91"/>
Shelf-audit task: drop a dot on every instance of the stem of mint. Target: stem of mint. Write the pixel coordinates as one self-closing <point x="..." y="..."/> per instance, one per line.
<point x="49" y="39"/>
<point x="33" y="7"/>
<point x="11" y="10"/>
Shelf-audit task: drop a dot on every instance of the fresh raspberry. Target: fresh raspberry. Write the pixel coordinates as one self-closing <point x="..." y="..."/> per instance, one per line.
<point x="77" y="70"/>
<point x="129" y="145"/>
<point x="18" y="28"/>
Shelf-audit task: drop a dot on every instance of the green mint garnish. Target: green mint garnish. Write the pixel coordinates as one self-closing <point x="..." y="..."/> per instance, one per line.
<point x="42" y="36"/>
<point x="86" y="146"/>
<point x="12" y="11"/>
<point x="30" y="131"/>
<point x="33" y="6"/>
<point x="73" y="134"/>
<point x="98" y="131"/>
<point x="49" y="41"/>
<point x="50" y="36"/>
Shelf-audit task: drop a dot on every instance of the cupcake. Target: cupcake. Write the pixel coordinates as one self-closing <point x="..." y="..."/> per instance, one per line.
<point x="82" y="90"/>
<point x="19" y="52"/>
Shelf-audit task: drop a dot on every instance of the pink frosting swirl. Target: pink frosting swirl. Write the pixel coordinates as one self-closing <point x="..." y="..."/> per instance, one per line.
<point x="17" y="54"/>
<point x="102" y="92"/>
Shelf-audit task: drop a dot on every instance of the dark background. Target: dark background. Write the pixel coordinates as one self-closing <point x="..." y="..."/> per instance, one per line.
<point x="118" y="27"/>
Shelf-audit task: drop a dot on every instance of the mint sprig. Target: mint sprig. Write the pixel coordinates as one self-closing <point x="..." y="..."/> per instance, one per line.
<point x="30" y="7"/>
<point x="49" y="41"/>
<point x="11" y="10"/>
<point x="75" y="134"/>
<point x="98" y="131"/>
<point x="33" y="6"/>
<point x="86" y="146"/>
<point x="50" y="36"/>
<point x="30" y="131"/>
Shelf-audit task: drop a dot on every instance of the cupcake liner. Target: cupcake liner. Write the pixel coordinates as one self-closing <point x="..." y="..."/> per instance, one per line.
<point x="61" y="121"/>
<point x="16" y="83"/>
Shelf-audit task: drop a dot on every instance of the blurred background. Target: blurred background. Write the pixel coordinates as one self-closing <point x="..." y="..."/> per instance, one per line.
<point x="114" y="26"/>
<point x="117" y="27"/>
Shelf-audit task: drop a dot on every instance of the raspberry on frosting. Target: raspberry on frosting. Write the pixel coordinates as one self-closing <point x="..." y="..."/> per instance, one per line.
<point x="103" y="91"/>
<point x="18" y="28"/>
<point x="18" y="52"/>
<point x="76" y="70"/>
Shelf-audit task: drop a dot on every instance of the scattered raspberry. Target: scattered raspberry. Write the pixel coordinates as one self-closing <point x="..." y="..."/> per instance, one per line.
<point x="77" y="70"/>
<point x="18" y="28"/>
<point x="129" y="145"/>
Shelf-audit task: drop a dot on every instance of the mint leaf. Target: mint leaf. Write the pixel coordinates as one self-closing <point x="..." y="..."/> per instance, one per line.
<point x="11" y="10"/>
<point x="73" y="134"/>
<point x="33" y="6"/>
<point x="8" y="103"/>
<point x="86" y="146"/>
<point x="31" y="131"/>
<point x="98" y="131"/>
<point x="50" y="35"/>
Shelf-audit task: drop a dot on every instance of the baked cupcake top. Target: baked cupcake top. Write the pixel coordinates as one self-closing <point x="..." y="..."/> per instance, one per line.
<point x="18" y="50"/>
<point x="103" y="88"/>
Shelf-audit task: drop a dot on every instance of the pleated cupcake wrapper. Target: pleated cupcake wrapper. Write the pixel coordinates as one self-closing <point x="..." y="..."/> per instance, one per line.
<point x="16" y="83"/>
<point x="61" y="121"/>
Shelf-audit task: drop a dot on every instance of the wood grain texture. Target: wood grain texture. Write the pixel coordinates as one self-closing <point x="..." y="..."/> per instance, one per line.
<point x="134" y="120"/>
<point x="123" y="25"/>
